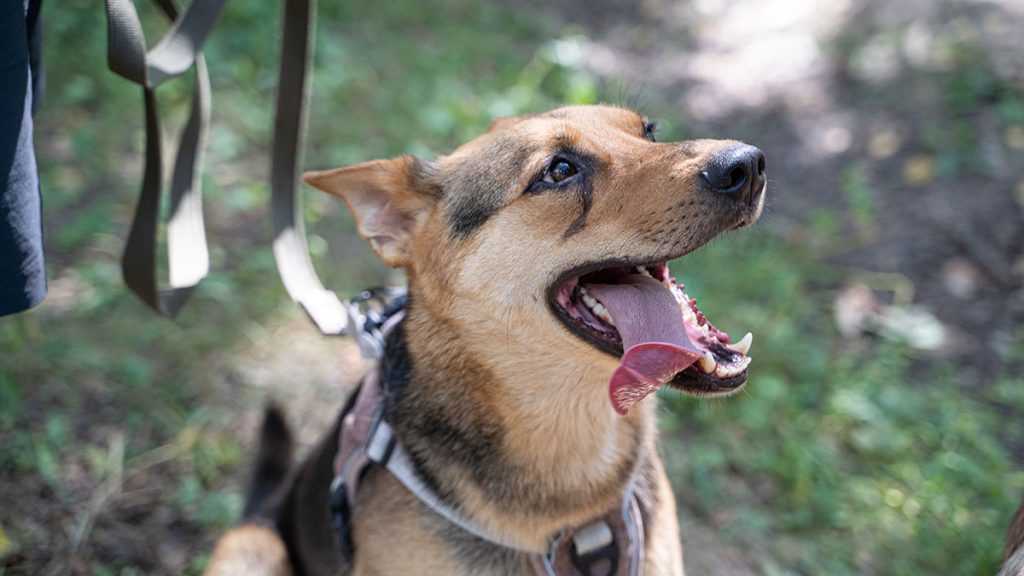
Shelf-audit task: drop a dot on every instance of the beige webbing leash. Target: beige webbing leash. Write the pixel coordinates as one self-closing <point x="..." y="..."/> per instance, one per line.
<point x="188" y="258"/>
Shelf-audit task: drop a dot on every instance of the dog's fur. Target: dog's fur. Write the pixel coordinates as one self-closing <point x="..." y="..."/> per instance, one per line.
<point x="504" y="410"/>
<point x="1013" y="554"/>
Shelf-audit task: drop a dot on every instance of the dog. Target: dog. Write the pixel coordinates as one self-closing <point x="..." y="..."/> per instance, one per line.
<point x="1013" y="553"/>
<point x="541" y="316"/>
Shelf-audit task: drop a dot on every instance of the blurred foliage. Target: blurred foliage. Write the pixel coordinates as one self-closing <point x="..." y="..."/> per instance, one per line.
<point x="888" y="466"/>
<point x="841" y="457"/>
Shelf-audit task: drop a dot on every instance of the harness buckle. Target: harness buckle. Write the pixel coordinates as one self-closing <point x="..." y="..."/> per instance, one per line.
<point x="380" y="442"/>
<point x="341" y="513"/>
<point x="594" y="544"/>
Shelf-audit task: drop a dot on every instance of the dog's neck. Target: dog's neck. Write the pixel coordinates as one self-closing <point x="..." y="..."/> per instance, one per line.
<point x="526" y="445"/>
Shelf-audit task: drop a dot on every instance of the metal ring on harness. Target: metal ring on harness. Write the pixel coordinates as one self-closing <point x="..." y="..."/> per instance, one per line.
<point x="367" y="313"/>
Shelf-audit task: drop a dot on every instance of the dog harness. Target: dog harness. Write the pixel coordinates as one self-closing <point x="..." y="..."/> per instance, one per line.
<point x="612" y="545"/>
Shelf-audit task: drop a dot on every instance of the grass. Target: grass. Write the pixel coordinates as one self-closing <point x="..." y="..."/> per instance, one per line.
<point x="842" y="457"/>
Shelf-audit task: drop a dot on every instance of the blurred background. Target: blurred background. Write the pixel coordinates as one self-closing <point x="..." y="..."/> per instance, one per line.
<point x="881" y="430"/>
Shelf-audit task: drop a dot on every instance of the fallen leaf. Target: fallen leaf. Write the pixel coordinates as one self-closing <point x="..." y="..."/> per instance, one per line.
<point x="884" y="144"/>
<point x="852" y="308"/>
<point x="919" y="170"/>
<point x="912" y="325"/>
<point x="1015" y="137"/>
<point x="961" y="277"/>
<point x="6" y="545"/>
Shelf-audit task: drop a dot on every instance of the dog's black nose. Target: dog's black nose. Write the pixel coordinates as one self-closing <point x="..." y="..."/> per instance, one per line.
<point x="736" y="172"/>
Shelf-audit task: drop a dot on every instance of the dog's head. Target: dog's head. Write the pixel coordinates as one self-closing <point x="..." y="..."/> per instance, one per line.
<point x="545" y="241"/>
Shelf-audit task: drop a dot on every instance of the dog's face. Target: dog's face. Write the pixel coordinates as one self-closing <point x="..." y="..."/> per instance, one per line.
<point x="546" y="238"/>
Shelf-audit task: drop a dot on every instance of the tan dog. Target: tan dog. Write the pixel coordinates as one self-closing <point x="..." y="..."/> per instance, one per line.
<point x="1013" y="554"/>
<point x="541" y="317"/>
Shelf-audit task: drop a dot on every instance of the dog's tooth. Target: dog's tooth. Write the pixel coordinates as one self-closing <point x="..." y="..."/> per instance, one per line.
<point x="707" y="363"/>
<point x="589" y="300"/>
<point x="688" y="314"/>
<point x="601" y="312"/>
<point x="730" y="370"/>
<point x="743" y="346"/>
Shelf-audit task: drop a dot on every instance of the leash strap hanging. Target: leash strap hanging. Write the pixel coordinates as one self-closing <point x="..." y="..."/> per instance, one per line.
<point x="290" y="250"/>
<point x="188" y="259"/>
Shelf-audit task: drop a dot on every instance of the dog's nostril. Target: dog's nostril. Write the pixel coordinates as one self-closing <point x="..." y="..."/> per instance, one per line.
<point x="736" y="172"/>
<point x="737" y="177"/>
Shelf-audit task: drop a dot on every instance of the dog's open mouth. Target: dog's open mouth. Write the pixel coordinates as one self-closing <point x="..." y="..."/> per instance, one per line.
<point x="640" y="313"/>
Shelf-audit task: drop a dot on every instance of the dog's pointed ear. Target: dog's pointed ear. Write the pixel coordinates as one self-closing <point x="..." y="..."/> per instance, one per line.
<point x="390" y="200"/>
<point x="502" y="122"/>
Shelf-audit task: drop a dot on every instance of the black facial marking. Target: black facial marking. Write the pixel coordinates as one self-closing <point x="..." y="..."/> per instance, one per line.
<point x="478" y="189"/>
<point x="586" y="197"/>
<point x="465" y="219"/>
<point x="580" y="181"/>
<point x="395" y="369"/>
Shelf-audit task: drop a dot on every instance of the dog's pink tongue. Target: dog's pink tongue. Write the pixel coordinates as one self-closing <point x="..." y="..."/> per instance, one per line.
<point x="656" y="346"/>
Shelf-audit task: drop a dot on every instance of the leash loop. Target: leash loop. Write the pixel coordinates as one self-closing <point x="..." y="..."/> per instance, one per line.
<point x="179" y="50"/>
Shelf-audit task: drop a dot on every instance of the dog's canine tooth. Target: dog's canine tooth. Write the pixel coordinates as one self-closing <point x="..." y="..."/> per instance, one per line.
<point x="601" y="312"/>
<point x="707" y="363"/>
<point x="743" y="346"/>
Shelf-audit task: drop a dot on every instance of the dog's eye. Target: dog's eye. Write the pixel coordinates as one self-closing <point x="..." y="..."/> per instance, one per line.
<point x="650" y="127"/>
<point x="559" y="170"/>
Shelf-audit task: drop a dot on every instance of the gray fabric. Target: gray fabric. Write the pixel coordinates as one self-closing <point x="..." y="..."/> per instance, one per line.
<point x="22" y="273"/>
